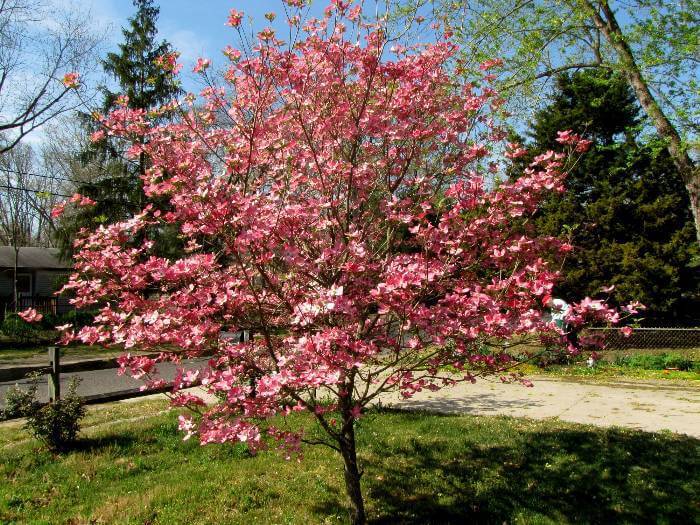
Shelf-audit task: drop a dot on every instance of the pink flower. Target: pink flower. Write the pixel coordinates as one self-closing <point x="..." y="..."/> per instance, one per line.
<point x="489" y="64"/>
<point x="201" y="65"/>
<point x="82" y="200"/>
<point x="565" y="137"/>
<point x="634" y="307"/>
<point x="626" y="331"/>
<point x="58" y="210"/>
<point x="30" y="315"/>
<point x="266" y="34"/>
<point x="232" y="54"/>
<point x="168" y="62"/>
<point x="71" y="80"/>
<point x="234" y="18"/>
<point x="187" y="425"/>
<point x="607" y="289"/>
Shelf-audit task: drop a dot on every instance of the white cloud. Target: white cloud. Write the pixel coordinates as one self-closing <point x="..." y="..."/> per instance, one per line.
<point x="190" y="45"/>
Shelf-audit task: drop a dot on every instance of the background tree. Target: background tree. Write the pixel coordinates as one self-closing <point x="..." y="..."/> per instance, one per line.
<point x="350" y="229"/>
<point x="141" y="83"/>
<point x="624" y="207"/>
<point x="26" y="199"/>
<point x="653" y="45"/>
<point x="39" y="45"/>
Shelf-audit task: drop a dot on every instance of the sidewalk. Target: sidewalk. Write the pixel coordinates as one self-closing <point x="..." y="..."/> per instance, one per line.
<point x="644" y="405"/>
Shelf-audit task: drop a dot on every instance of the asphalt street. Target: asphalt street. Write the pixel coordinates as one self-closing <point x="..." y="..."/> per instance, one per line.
<point x="99" y="381"/>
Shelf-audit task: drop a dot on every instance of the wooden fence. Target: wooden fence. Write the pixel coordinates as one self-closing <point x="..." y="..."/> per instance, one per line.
<point x="55" y="368"/>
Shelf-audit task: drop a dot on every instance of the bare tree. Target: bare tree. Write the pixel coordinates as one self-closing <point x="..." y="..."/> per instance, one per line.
<point x="25" y="203"/>
<point x="39" y="44"/>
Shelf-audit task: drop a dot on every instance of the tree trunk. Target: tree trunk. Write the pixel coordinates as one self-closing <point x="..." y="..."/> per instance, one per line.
<point x="15" y="292"/>
<point x="352" y="478"/>
<point x="685" y="165"/>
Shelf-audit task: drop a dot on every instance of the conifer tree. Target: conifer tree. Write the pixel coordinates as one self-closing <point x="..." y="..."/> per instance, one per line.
<point x="140" y="84"/>
<point x="625" y="208"/>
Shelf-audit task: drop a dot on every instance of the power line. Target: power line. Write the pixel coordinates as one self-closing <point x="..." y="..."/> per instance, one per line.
<point x="53" y="177"/>
<point x="66" y="179"/>
<point x="30" y="190"/>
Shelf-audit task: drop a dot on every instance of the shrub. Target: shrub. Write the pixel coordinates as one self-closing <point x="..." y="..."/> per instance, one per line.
<point x="78" y="318"/>
<point x="680" y="362"/>
<point x="17" y="328"/>
<point x="20" y="402"/>
<point x="56" y="424"/>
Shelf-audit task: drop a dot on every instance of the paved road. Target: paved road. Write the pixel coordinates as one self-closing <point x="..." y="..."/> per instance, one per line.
<point x="644" y="405"/>
<point x="99" y="381"/>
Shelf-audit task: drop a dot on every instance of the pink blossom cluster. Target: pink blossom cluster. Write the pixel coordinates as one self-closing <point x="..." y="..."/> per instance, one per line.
<point x="71" y="80"/>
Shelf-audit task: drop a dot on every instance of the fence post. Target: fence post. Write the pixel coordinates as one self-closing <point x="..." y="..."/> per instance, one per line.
<point x="54" y="373"/>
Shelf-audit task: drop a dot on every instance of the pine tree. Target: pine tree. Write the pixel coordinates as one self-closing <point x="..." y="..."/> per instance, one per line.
<point x="625" y="208"/>
<point x="117" y="187"/>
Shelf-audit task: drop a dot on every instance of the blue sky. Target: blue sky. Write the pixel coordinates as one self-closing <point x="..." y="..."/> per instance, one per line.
<point x="194" y="27"/>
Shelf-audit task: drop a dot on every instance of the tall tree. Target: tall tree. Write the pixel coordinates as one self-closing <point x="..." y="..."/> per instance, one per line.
<point x="140" y="84"/>
<point x="653" y="44"/>
<point x="625" y="206"/>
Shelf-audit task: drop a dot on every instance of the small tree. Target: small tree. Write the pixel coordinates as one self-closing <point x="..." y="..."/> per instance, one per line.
<point x="342" y="216"/>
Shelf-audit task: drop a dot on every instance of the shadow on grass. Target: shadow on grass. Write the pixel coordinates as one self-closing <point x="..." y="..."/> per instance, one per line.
<point x="558" y="475"/>
<point x="121" y="441"/>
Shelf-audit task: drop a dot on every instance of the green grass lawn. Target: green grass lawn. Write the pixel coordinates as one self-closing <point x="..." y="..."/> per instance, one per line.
<point x="628" y="364"/>
<point x="12" y="355"/>
<point x="609" y="372"/>
<point x="418" y="469"/>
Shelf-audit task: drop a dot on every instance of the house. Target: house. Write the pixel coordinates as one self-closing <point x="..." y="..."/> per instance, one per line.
<point x="40" y="273"/>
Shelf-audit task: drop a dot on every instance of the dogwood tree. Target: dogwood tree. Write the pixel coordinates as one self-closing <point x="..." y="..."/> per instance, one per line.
<point x="338" y="199"/>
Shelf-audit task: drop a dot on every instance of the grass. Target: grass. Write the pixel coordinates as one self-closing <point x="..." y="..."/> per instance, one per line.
<point x="608" y="372"/>
<point x="419" y="469"/>
<point x="11" y="354"/>
<point x="629" y="364"/>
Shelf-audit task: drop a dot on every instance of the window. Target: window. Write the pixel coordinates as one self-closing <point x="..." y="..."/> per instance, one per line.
<point x="24" y="283"/>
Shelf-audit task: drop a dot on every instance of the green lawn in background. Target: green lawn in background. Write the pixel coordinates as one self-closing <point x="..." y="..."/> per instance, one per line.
<point x="13" y="355"/>
<point x="660" y="363"/>
<point x="419" y="469"/>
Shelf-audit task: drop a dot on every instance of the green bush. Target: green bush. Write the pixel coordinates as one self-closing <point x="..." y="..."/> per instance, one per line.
<point x="78" y="318"/>
<point x="20" y="402"/>
<point x="56" y="424"/>
<point x="15" y="327"/>
<point x="680" y="362"/>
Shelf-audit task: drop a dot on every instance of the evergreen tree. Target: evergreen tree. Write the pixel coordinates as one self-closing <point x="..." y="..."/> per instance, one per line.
<point x="117" y="186"/>
<point x="625" y="208"/>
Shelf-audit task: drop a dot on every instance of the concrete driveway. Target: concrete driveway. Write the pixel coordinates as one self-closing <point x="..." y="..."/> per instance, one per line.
<point x="643" y="405"/>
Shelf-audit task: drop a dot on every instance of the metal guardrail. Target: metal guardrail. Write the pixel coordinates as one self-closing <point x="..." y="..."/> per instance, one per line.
<point x="649" y="338"/>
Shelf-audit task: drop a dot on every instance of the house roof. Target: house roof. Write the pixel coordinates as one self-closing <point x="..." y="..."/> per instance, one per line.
<point x="33" y="257"/>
